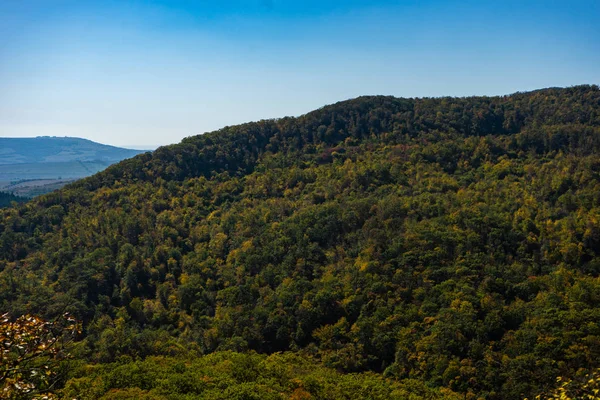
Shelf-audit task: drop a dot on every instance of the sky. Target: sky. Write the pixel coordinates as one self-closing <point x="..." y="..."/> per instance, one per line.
<point x="146" y="73"/>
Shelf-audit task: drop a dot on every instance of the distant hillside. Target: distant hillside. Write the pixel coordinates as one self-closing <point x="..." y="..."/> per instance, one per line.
<point x="32" y="166"/>
<point x="45" y="149"/>
<point x="450" y="244"/>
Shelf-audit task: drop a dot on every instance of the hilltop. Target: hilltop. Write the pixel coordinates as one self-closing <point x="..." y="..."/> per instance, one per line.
<point x="439" y="244"/>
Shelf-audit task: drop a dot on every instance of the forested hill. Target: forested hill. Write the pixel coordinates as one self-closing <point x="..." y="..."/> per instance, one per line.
<point x="452" y="241"/>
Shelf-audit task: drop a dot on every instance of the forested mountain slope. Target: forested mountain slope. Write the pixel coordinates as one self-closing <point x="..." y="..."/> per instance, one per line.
<point x="451" y="240"/>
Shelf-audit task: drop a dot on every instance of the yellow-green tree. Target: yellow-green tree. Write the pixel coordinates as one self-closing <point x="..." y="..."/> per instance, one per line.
<point x="583" y="388"/>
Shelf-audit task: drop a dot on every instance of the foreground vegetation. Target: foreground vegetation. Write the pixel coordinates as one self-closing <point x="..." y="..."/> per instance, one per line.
<point x="451" y="243"/>
<point x="228" y="375"/>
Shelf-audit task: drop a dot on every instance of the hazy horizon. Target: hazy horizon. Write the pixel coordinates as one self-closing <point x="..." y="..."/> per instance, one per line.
<point x="157" y="71"/>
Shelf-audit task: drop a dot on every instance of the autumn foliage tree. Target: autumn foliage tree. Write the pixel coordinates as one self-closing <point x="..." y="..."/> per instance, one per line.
<point x="586" y="387"/>
<point x="30" y="350"/>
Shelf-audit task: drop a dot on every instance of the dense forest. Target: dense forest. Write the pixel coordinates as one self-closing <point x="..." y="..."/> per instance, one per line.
<point x="6" y="199"/>
<point x="408" y="247"/>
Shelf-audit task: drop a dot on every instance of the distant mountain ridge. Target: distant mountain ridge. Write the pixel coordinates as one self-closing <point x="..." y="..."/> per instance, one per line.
<point x="59" y="149"/>
<point x="32" y="166"/>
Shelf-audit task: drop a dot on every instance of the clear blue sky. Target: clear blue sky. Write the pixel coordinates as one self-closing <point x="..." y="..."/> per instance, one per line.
<point x="133" y="72"/>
